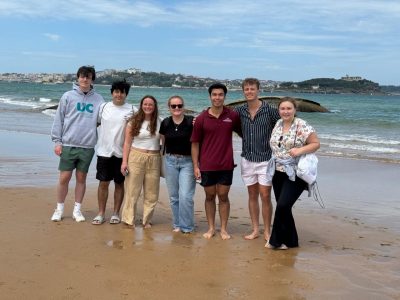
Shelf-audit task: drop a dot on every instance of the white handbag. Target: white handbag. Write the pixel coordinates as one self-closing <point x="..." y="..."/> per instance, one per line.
<point x="307" y="168"/>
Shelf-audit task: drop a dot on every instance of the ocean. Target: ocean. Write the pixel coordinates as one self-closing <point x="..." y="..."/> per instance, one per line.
<point x="358" y="126"/>
<point x="364" y="127"/>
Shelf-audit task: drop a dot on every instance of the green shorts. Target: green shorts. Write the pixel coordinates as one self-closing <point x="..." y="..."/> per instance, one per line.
<point x="75" y="157"/>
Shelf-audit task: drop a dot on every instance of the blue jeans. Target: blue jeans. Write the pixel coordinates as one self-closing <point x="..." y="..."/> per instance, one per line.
<point x="181" y="185"/>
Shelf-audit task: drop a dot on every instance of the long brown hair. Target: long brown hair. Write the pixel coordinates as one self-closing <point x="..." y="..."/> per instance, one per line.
<point x="137" y="119"/>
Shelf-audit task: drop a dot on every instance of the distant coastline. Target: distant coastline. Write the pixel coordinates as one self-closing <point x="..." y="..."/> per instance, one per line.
<point x="138" y="78"/>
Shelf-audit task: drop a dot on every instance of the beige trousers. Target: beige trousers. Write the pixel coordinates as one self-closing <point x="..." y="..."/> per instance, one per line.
<point x="144" y="171"/>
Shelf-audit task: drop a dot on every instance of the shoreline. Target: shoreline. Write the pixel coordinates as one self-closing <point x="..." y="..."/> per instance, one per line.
<point x="10" y="150"/>
<point x="27" y="160"/>
<point x="265" y="89"/>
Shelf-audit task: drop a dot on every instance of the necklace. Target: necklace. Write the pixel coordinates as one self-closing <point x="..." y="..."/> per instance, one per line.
<point x="177" y="125"/>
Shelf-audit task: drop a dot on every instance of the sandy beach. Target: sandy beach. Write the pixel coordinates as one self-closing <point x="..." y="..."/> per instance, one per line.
<point x="349" y="250"/>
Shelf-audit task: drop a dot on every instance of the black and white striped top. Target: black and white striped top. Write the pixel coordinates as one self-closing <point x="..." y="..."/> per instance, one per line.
<point x="257" y="132"/>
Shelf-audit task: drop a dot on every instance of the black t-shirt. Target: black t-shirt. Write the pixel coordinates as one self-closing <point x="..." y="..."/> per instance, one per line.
<point x="177" y="136"/>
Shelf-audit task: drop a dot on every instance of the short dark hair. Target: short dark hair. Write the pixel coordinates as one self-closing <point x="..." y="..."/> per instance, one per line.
<point x="120" y="85"/>
<point x="85" y="71"/>
<point x="217" y="85"/>
<point x="251" y="81"/>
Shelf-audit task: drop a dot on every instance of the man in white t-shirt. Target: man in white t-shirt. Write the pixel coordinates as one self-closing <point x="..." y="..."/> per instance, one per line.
<point x="112" y="119"/>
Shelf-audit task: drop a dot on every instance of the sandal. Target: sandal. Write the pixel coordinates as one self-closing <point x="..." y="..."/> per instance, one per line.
<point x="98" y="220"/>
<point x="115" y="219"/>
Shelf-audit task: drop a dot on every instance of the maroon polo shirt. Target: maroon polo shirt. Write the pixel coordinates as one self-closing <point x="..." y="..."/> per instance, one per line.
<point x="215" y="138"/>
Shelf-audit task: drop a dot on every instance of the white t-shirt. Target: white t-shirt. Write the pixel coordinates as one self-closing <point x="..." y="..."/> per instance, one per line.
<point x="113" y="119"/>
<point x="145" y="140"/>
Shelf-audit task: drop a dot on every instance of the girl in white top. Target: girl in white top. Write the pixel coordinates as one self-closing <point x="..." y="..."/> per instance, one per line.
<point x="141" y="162"/>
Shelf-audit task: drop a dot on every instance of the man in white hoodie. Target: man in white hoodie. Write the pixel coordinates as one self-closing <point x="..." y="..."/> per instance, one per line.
<point x="74" y="132"/>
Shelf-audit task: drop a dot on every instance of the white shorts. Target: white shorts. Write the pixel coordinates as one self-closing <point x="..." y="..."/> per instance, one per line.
<point x="254" y="172"/>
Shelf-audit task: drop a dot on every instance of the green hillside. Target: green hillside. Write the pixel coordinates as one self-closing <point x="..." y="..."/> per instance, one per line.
<point x="331" y="85"/>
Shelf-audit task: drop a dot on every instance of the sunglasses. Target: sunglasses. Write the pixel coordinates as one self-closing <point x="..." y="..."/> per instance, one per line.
<point x="174" y="106"/>
<point x="280" y="140"/>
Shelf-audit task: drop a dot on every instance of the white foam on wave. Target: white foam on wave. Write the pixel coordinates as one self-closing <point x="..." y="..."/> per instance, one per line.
<point x="359" y="138"/>
<point x="334" y="152"/>
<point x="31" y="103"/>
<point x="49" y="112"/>
<point x="42" y="99"/>
<point x="364" y="148"/>
<point x="20" y="103"/>
<point x="340" y="153"/>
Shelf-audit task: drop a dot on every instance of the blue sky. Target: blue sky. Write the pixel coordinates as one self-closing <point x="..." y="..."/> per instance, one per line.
<point x="289" y="40"/>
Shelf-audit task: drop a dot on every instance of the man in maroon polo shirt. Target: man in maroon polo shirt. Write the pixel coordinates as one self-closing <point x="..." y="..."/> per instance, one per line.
<point x="212" y="155"/>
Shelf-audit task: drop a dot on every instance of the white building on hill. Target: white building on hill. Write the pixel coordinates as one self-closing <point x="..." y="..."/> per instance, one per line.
<point x="351" y="78"/>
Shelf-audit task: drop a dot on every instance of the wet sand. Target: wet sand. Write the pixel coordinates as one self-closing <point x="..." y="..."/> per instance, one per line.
<point x="339" y="257"/>
<point x="349" y="250"/>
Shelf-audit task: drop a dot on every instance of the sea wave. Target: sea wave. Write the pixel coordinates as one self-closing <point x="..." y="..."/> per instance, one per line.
<point x="363" y="147"/>
<point x="389" y="158"/>
<point x="49" y="112"/>
<point x="359" y="138"/>
<point x="21" y="103"/>
<point x="31" y="103"/>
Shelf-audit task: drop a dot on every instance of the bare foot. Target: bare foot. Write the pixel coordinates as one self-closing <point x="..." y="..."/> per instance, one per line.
<point x="176" y="230"/>
<point x="209" y="234"/>
<point x="266" y="236"/>
<point x="130" y="226"/>
<point x="252" y="235"/>
<point x="225" y="235"/>
<point x="147" y="225"/>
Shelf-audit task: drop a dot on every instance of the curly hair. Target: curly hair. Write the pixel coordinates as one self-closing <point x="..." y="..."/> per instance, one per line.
<point x="121" y="85"/>
<point x="137" y="119"/>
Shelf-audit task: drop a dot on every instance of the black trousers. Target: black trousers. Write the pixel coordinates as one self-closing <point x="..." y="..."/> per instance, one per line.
<point x="286" y="193"/>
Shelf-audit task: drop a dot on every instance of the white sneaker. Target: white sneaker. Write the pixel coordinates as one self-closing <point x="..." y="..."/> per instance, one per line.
<point x="57" y="215"/>
<point x="269" y="246"/>
<point x="77" y="216"/>
<point x="283" y="247"/>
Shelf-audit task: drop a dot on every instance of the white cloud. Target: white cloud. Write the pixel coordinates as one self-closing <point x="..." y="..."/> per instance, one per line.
<point x="48" y="54"/>
<point x="211" y="41"/>
<point x="216" y="32"/>
<point x="52" y="36"/>
<point x="338" y="15"/>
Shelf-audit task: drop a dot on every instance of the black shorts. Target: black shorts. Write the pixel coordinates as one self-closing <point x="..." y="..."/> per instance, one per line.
<point x="109" y="168"/>
<point x="209" y="178"/>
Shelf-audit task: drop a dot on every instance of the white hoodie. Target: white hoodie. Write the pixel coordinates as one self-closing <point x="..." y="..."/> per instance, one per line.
<point x="75" y="121"/>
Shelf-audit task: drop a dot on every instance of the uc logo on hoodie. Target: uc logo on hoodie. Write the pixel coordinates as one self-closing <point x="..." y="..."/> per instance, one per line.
<point x="84" y="107"/>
